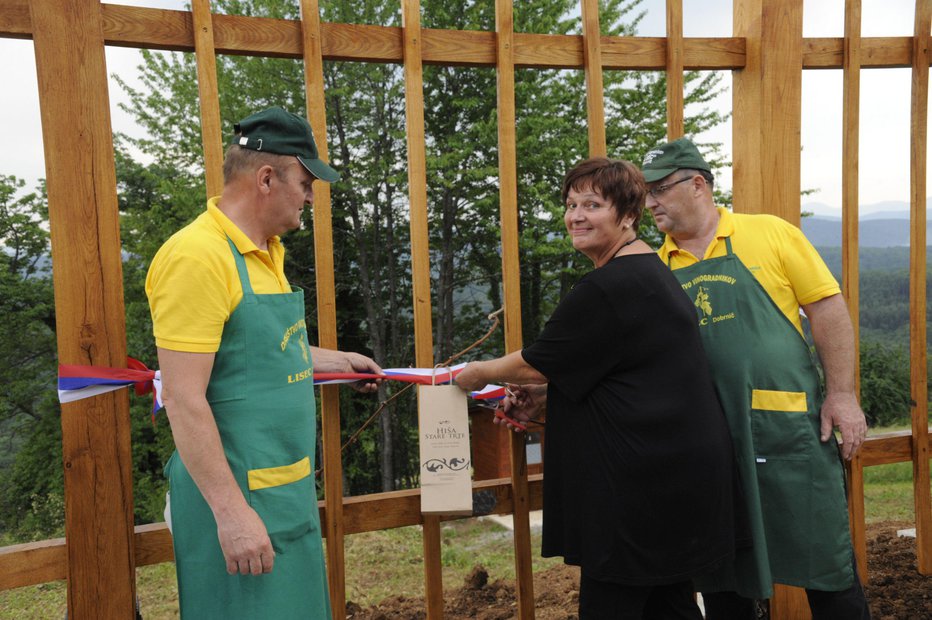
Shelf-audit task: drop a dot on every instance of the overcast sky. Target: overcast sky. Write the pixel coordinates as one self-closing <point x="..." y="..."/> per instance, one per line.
<point x="884" y="140"/>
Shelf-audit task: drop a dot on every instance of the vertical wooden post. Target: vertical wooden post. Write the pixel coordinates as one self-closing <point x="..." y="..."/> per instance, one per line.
<point x="420" y="259"/>
<point x="511" y="284"/>
<point x="767" y="118"/>
<point x="917" y="283"/>
<point x="849" y="252"/>
<point x="326" y="310"/>
<point x="674" y="69"/>
<point x="90" y="317"/>
<point x="781" y="106"/>
<point x="747" y="185"/>
<point x="592" y="60"/>
<point x="211" y="133"/>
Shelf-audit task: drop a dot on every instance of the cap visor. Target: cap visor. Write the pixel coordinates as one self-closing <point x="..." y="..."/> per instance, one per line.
<point x="658" y="173"/>
<point x="320" y="170"/>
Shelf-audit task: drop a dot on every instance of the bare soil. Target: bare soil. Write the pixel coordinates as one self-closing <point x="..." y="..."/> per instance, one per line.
<point x="896" y="590"/>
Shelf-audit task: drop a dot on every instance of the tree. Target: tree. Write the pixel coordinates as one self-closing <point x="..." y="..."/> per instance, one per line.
<point x="885" y="389"/>
<point x="31" y="487"/>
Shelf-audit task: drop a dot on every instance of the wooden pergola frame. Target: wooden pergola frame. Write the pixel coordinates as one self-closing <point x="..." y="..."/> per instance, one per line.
<point x="767" y="55"/>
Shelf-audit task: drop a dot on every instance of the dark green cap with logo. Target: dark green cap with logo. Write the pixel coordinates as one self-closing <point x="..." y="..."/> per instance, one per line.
<point x="664" y="160"/>
<point x="275" y="130"/>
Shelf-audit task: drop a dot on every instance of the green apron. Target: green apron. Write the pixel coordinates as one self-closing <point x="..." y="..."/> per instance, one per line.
<point x="770" y="391"/>
<point x="262" y="396"/>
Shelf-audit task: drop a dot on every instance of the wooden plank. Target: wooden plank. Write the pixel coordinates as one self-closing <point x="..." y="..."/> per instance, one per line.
<point x="876" y="52"/>
<point x="160" y="29"/>
<point x="90" y="317"/>
<point x="854" y="470"/>
<point x="675" y="86"/>
<point x="15" y="22"/>
<point x="887" y="448"/>
<point x="781" y="107"/>
<point x="747" y="184"/>
<point x="153" y="544"/>
<point x="420" y="260"/>
<point x="918" y="345"/>
<point x="32" y="563"/>
<point x="851" y="116"/>
<point x="849" y="252"/>
<point x="592" y="62"/>
<point x="789" y="603"/>
<point x="331" y="440"/>
<point x="208" y="96"/>
<point x="511" y="285"/>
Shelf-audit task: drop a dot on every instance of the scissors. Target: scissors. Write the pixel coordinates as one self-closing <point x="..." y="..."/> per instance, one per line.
<point x="501" y="415"/>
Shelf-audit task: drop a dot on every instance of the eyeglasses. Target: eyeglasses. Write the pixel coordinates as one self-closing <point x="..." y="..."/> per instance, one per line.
<point x="660" y="190"/>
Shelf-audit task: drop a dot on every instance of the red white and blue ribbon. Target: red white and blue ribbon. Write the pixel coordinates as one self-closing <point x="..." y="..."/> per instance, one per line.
<point x="77" y="382"/>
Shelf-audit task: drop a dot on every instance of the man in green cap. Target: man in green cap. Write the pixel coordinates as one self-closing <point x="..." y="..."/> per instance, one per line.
<point x="238" y="373"/>
<point x="749" y="276"/>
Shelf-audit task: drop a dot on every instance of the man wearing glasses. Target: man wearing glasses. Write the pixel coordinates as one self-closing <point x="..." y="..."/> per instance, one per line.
<point x="749" y="277"/>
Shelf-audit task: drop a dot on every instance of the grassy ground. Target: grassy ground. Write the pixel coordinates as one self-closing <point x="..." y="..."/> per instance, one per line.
<point x="388" y="563"/>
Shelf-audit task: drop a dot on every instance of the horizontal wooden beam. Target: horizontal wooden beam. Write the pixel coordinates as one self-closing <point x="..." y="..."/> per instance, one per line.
<point x="875" y="52"/>
<point x="44" y="561"/>
<point x="161" y="29"/>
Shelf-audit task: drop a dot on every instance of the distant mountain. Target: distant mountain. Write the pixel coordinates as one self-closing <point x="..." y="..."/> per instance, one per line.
<point x="886" y="210"/>
<point x="872" y="233"/>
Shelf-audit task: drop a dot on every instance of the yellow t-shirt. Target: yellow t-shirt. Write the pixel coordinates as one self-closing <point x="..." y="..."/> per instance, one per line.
<point x="193" y="286"/>
<point x="775" y="251"/>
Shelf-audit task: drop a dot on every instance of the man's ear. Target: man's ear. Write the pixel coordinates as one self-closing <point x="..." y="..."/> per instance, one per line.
<point x="264" y="178"/>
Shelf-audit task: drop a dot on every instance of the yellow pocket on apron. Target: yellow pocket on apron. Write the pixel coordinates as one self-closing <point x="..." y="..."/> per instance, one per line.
<point x="279" y="495"/>
<point x="783" y="430"/>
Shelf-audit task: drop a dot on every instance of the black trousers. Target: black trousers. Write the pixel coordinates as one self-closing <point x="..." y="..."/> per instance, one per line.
<point x="847" y="604"/>
<point x="601" y="600"/>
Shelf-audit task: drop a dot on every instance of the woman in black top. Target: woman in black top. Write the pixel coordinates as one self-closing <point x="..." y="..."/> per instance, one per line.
<point x="638" y="478"/>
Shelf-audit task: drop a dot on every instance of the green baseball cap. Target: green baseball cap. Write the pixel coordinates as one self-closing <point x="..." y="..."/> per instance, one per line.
<point x="275" y="130"/>
<point x="666" y="159"/>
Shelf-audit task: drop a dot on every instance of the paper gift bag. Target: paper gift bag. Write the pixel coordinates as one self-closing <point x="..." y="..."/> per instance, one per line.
<point x="446" y="478"/>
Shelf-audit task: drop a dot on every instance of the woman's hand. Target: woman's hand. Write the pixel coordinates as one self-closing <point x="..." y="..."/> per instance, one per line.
<point x="522" y="404"/>
<point x="471" y="377"/>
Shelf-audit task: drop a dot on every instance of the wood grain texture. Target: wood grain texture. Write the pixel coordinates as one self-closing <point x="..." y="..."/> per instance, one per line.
<point x="162" y="29"/>
<point x="918" y="345"/>
<point x="781" y="107"/>
<point x="90" y="317"/>
<point x="789" y="603"/>
<point x="511" y="285"/>
<point x="595" y="90"/>
<point x="420" y="259"/>
<point x="331" y="438"/>
<point x="208" y="96"/>
<point x="747" y="185"/>
<point x="850" y="255"/>
<point x="674" y="66"/>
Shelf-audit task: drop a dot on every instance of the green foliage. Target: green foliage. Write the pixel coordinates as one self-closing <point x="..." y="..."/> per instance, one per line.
<point x="885" y="392"/>
<point x="30" y="460"/>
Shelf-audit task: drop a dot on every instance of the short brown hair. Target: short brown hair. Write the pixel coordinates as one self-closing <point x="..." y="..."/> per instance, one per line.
<point x="238" y="160"/>
<point x="617" y="180"/>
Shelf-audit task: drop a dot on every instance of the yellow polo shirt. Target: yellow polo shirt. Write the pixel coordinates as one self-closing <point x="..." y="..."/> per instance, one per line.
<point x="775" y="251"/>
<point x="193" y="286"/>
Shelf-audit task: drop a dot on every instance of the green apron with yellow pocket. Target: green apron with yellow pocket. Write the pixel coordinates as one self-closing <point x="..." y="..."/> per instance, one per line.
<point x="262" y="397"/>
<point x="770" y="391"/>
